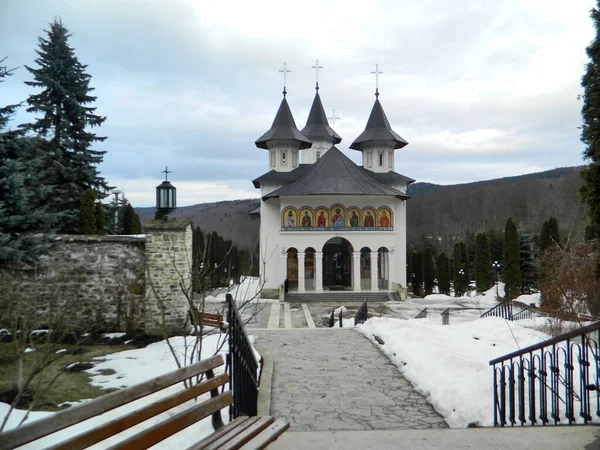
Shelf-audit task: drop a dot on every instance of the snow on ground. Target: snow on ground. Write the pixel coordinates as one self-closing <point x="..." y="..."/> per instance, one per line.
<point x="123" y="369"/>
<point x="450" y="364"/>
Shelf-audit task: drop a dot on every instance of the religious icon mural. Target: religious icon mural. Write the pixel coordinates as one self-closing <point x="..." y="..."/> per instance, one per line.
<point x="368" y="217"/>
<point x="353" y="217"/>
<point x="337" y="216"/>
<point x="289" y="218"/>
<point x="322" y="218"/>
<point x="384" y="217"/>
<point x="306" y="218"/>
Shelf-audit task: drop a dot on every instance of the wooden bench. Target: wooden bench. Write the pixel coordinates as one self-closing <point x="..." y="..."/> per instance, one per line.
<point x="242" y="432"/>
<point x="212" y="320"/>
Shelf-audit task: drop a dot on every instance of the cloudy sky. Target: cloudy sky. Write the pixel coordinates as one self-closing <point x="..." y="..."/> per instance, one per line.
<point x="479" y="89"/>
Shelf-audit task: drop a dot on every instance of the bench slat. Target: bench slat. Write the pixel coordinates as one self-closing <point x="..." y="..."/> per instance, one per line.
<point x="159" y="432"/>
<point x="267" y="436"/>
<point x="35" y="430"/>
<point x="241" y="438"/>
<point x="239" y="421"/>
<point x="227" y="437"/>
<point x="122" y="423"/>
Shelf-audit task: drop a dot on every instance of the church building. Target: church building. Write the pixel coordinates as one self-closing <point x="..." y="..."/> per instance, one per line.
<point x="326" y="223"/>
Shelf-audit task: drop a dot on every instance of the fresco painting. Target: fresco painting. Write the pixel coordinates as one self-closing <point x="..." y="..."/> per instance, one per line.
<point x="289" y="218"/>
<point x="352" y="217"/>
<point x="337" y="216"/>
<point x="322" y="218"/>
<point x="306" y="219"/>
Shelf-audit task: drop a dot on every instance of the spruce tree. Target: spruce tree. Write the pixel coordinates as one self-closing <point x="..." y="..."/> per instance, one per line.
<point x="428" y="271"/>
<point x="527" y="265"/>
<point x="483" y="263"/>
<point x="443" y="274"/>
<point x="512" y="255"/>
<point x="87" y="213"/>
<point x="25" y="222"/>
<point x="129" y="225"/>
<point x="137" y="224"/>
<point x="100" y="219"/>
<point x="590" y="135"/>
<point x="64" y="122"/>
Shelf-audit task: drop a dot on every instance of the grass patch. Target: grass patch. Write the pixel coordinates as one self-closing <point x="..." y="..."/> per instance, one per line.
<point x="68" y="387"/>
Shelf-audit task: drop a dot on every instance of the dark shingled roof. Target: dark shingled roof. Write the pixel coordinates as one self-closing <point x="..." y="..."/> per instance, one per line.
<point x="389" y="177"/>
<point x="274" y="176"/>
<point x="335" y="174"/>
<point x="378" y="129"/>
<point x="317" y="126"/>
<point x="283" y="128"/>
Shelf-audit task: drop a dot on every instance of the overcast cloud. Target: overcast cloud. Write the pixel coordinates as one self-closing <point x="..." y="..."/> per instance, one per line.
<point x="479" y="89"/>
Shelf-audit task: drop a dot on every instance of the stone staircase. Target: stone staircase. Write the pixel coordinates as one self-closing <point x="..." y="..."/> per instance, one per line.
<point x="340" y="297"/>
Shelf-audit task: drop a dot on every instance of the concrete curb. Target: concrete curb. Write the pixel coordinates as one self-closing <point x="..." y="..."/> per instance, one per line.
<point x="263" y="407"/>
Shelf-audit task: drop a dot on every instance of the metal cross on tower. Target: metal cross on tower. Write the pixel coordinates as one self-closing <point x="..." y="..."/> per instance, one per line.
<point x="166" y="172"/>
<point x="317" y="67"/>
<point x="377" y="72"/>
<point x="333" y="118"/>
<point x="284" y="71"/>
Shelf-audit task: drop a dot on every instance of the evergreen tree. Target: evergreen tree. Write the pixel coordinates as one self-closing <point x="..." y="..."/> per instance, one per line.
<point x="417" y="275"/>
<point x="512" y="255"/>
<point x="137" y="224"/>
<point x="25" y="223"/>
<point x="443" y="274"/>
<point x="100" y="219"/>
<point x="428" y="271"/>
<point x="460" y="273"/>
<point x="529" y="273"/>
<point x="87" y="213"/>
<point x="65" y="118"/>
<point x="129" y="224"/>
<point x="590" y="135"/>
<point x="549" y="236"/>
<point x="483" y="263"/>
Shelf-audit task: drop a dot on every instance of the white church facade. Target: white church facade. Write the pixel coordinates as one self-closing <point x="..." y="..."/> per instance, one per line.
<point x="326" y="223"/>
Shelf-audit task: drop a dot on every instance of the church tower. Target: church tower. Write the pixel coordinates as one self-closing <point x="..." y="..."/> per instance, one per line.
<point x="378" y="142"/>
<point x="283" y="140"/>
<point x="317" y="129"/>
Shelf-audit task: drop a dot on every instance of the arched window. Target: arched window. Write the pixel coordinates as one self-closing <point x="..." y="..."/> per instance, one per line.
<point x="283" y="158"/>
<point x="390" y="158"/>
<point x="381" y="159"/>
<point x="318" y="154"/>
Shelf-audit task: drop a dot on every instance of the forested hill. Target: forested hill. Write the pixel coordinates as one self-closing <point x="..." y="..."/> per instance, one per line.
<point x="434" y="211"/>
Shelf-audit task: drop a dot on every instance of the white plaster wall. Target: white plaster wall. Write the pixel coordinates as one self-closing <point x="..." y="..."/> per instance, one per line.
<point x="309" y="155"/>
<point x="292" y="157"/>
<point x="275" y="243"/>
<point x="387" y="149"/>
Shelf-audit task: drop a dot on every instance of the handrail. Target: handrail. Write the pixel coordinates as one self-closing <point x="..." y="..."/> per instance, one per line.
<point x="503" y="309"/>
<point x="362" y="315"/>
<point x="243" y="366"/>
<point x="526" y="313"/>
<point x="446" y="316"/>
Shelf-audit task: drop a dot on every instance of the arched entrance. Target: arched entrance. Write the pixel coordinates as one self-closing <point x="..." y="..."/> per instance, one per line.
<point x="383" y="265"/>
<point x="292" y="268"/>
<point x="337" y="264"/>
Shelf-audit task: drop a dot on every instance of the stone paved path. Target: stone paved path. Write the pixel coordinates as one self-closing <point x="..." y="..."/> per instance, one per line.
<point x="336" y="379"/>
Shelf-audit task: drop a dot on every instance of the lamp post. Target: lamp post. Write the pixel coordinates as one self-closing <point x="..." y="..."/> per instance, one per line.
<point x="496" y="266"/>
<point x="461" y="273"/>
<point x="166" y="198"/>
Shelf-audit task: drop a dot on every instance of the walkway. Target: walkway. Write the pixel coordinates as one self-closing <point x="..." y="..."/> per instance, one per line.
<point x="336" y="379"/>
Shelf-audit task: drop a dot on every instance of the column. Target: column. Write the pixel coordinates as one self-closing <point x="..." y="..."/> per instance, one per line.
<point x="374" y="286"/>
<point x="356" y="270"/>
<point x="392" y="270"/>
<point x="301" y="271"/>
<point x="319" y="271"/>
<point x="282" y="267"/>
<point x="386" y="272"/>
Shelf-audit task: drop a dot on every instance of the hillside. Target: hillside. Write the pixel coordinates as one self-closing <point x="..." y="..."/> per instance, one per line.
<point x="434" y="211"/>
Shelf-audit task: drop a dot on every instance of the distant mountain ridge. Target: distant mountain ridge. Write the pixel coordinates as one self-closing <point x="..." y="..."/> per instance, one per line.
<point x="440" y="212"/>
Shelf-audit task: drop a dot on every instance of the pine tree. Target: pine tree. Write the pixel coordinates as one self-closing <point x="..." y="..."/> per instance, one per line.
<point x="100" y="219"/>
<point x="549" y="236"/>
<point x="87" y="213"/>
<point x="137" y="224"/>
<point x="443" y="274"/>
<point x="590" y="135"/>
<point x="64" y="122"/>
<point x="483" y="263"/>
<point x="512" y="254"/>
<point x="25" y="223"/>
<point x="529" y="272"/>
<point x="428" y="271"/>
<point x="417" y="275"/>
<point x="129" y="225"/>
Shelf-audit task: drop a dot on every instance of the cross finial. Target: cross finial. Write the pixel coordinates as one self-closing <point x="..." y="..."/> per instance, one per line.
<point x="317" y="67"/>
<point x="166" y="172"/>
<point x="333" y="118"/>
<point x="376" y="72"/>
<point x="284" y="71"/>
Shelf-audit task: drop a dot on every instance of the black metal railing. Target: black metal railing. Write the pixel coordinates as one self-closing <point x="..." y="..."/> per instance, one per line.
<point x="422" y="314"/>
<point x="446" y="317"/>
<point x="526" y="313"/>
<point x="243" y="366"/>
<point x="548" y="382"/>
<point x="503" y="310"/>
<point x="332" y="319"/>
<point x="362" y="315"/>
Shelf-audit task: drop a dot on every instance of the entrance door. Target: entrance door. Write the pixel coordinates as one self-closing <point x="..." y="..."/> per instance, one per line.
<point x="337" y="267"/>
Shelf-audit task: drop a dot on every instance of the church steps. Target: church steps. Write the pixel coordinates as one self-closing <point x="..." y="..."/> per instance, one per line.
<point x="339" y="297"/>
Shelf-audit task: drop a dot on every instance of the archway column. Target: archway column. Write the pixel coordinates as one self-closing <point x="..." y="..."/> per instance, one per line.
<point x="356" y="270"/>
<point x="374" y="285"/>
<point x="301" y="271"/>
<point x="391" y="268"/>
<point x="283" y="262"/>
<point x="319" y="271"/>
